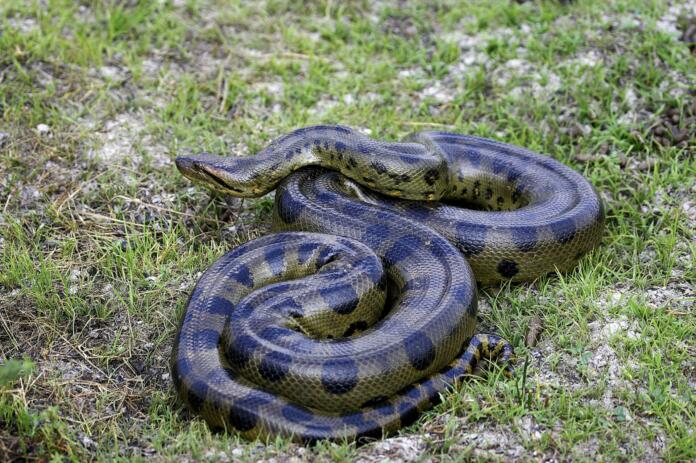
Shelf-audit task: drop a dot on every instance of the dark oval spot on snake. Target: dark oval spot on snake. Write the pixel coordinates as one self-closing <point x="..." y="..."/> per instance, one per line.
<point x="243" y="413"/>
<point x="196" y="395"/>
<point x="240" y="350"/>
<point x="524" y="237"/>
<point x="410" y="159"/>
<point x="363" y="148"/>
<point x="513" y="174"/>
<point x="180" y="370"/>
<point x="326" y="197"/>
<point x="378" y="167"/>
<point x="275" y="258"/>
<point x="417" y="210"/>
<point x="297" y="413"/>
<point x="420" y="350"/>
<point x="289" y="209"/>
<point x="354" y="209"/>
<point x="242" y="275"/>
<point x="384" y="408"/>
<point x="471" y="238"/>
<point x="429" y="391"/>
<point x="431" y="176"/>
<point x="462" y="293"/>
<point x="274" y="366"/>
<point x="220" y="306"/>
<point x="564" y="230"/>
<point x="207" y="338"/>
<point x="305" y="251"/>
<point x="498" y="165"/>
<point x="342" y="298"/>
<point x="339" y="376"/>
<point x="403" y="248"/>
<point x="473" y="156"/>
<point x="507" y="268"/>
<point x="408" y="413"/>
<point x="376" y="234"/>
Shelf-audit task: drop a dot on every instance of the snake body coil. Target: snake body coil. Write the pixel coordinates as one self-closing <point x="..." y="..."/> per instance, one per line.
<point x="352" y="319"/>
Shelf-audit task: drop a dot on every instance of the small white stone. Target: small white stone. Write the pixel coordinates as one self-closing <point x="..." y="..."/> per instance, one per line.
<point x="87" y="442"/>
<point x="43" y="128"/>
<point x="348" y="98"/>
<point x="616" y="297"/>
<point x="110" y="72"/>
<point x="610" y="329"/>
<point x="75" y="274"/>
<point x="630" y="97"/>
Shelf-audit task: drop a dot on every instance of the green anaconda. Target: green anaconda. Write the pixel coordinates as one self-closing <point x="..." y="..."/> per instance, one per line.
<point x="361" y="310"/>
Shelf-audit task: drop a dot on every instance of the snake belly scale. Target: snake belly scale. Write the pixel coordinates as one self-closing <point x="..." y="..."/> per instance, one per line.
<point x="360" y="311"/>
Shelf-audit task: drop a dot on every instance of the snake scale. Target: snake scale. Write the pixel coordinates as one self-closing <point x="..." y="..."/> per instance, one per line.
<point x="360" y="311"/>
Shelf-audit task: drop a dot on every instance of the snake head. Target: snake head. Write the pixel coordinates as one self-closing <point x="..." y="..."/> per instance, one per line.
<point x="214" y="172"/>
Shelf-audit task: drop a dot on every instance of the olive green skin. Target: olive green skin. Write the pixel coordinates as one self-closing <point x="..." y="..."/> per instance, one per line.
<point x="355" y="316"/>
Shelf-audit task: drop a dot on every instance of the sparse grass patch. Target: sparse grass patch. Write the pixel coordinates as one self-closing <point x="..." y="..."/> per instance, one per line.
<point x="101" y="240"/>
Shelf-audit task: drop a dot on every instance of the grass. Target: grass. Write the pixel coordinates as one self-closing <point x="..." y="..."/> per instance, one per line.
<point x="102" y="240"/>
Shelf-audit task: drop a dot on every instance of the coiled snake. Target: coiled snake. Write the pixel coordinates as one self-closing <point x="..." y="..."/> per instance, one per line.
<point x="355" y="316"/>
